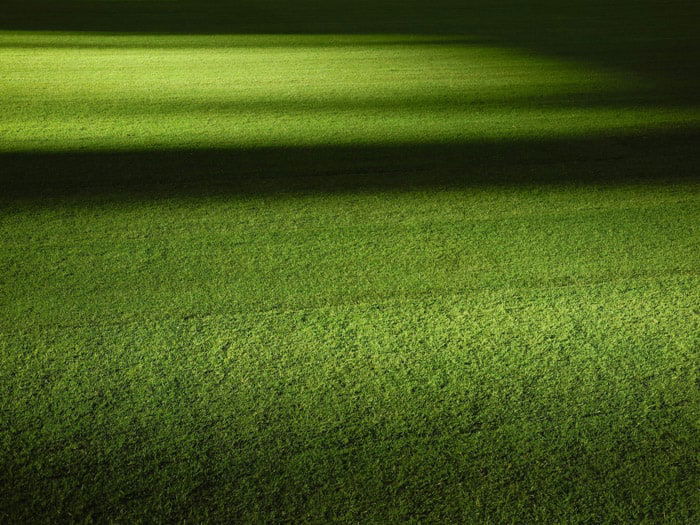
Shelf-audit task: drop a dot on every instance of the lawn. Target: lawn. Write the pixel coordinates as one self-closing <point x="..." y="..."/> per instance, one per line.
<point x="366" y="263"/>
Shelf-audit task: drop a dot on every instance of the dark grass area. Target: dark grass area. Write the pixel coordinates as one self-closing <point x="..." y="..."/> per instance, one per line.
<point x="640" y="157"/>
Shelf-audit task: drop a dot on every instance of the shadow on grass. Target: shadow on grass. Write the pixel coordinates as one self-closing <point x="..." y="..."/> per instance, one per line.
<point x="658" y="157"/>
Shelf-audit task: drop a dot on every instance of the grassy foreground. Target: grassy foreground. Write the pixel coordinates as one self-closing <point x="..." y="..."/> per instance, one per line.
<point x="361" y="277"/>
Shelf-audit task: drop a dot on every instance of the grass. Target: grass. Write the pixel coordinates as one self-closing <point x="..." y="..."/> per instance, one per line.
<point x="69" y="92"/>
<point x="259" y="265"/>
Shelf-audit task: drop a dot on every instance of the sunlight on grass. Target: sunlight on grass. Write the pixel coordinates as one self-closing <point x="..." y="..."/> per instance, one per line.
<point x="92" y="92"/>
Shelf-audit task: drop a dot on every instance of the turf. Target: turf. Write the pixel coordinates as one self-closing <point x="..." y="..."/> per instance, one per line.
<point x="315" y="262"/>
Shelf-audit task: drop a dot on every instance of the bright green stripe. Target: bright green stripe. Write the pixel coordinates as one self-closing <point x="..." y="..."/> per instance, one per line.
<point x="360" y="92"/>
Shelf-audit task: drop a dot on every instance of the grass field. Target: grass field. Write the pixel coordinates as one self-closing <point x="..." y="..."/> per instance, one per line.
<point x="365" y="262"/>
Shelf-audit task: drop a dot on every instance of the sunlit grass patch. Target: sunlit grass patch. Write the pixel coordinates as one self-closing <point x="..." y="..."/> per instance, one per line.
<point x="92" y="92"/>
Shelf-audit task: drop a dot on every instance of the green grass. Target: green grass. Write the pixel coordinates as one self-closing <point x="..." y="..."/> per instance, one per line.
<point x="431" y="266"/>
<point x="71" y="92"/>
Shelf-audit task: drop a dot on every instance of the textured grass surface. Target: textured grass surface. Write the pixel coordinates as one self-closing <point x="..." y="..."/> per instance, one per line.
<point x="126" y="92"/>
<point x="451" y="274"/>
